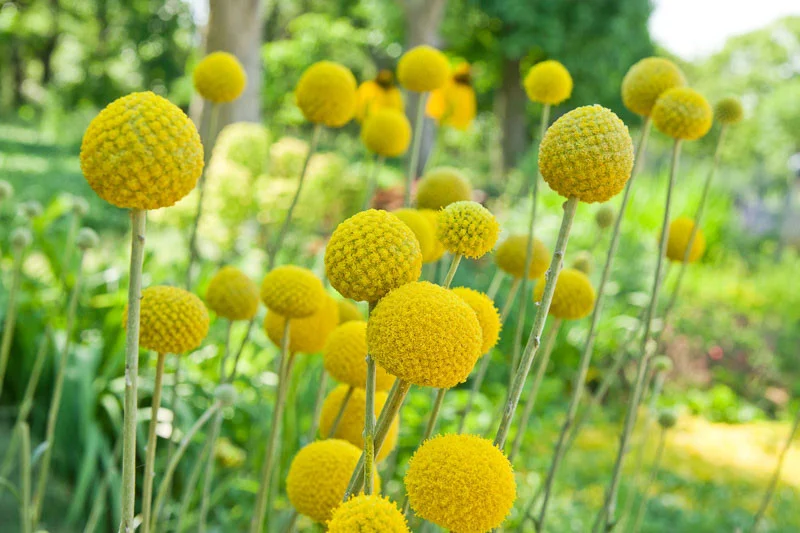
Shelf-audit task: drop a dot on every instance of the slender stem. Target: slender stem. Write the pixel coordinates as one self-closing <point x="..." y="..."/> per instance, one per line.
<point x="429" y="428"/>
<point x="494" y="285"/>
<point x="173" y="404"/>
<point x="662" y="438"/>
<point x="25" y="478"/>
<point x="473" y="392"/>
<point x="512" y="295"/>
<point x="69" y="244"/>
<point x="413" y="160"/>
<point x="97" y="506"/>
<point x="448" y="279"/>
<point x="290" y="523"/>
<point x="11" y="316"/>
<point x="369" y="422"/>
<point x="340" y="414"/>
<point x="322" y="387"/>
<point x="240" y="350"/>
<point x="191" y="484"/>
<point x="372" y="182"/>
<point x="150" y="460"/>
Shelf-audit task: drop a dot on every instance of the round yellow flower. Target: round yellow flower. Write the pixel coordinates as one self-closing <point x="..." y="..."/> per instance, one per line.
<point x="423" y="69"/>
<point x="487" y="313"/>
<point x="510" y="256"/>
<point x="326" y="94"/>
<point x="345" y="357"/>
<point x="292" y="291"/>
<point x="454" y="104"/>
<point x="368" y="514"/>
<point x="729" y="111"/>
<point x="683" y="113"/>
<point x="386" y="132"/>
<point x="441" y="187"/>
<point x="680" y="230"/>
<point x="646" y="80"/>
<point x="219" y="77"/>
<point x="588" y="154"/>
<point x="348" y="311"/>
<point x="141" y="152"/>
<point x="438" y="248"/>
<point x="461" y="482"/>
<point x="306" y="335"/>
<point x="548" y="82"/>
<point x="351" y="426"/>
<point x="423" y="230"/>
<point x="574" y="295"/>
<point x="380" y="93"/>
<point x="172" y="320"/>
<point x="232" y="295"/>
<point x="319" y="475"/>
<point x="425" y="334"/>
<point x="370" y="254"/>
<point x="468" y="229"/>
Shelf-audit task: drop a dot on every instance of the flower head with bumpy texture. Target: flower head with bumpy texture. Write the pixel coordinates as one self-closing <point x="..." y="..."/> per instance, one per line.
<point x="729" y="111"/>
<point x="306" y="335"/>
<point x="172" y="320"/>
<point x="345" y="357"/>
<point x="468" y="229"/>
<point x="348" y="311"/>
<point x="454" y="104"/>
<point x="574" y="295"/>
<point x="646" y="80"/>
<point x="232" y="295"/>
<point x="487" y="313"/>
<point x="438" y="248"/>
<point x="219" y="77"/>
<point x="422" y="229"/>
<point x="423" y="69"/>
<point x="441" y="187"/>
<point x="548" y="82"/>
<point x="380" y="93"/>
<point x="326" y="94"/>
<point x="680" y="230"/>
<point x="425" y="334"/>
<point x="368" y="514"/>
<point x="510" y="256"/>
<point x="587" y="154"/>
<point x="292" y="291"/>
<point x="461" y="482"/>
<point x="386" y="132"/>
<point x="683" y="114"/>
<point x="370" y="254"/>
<point x="141" y="152"/>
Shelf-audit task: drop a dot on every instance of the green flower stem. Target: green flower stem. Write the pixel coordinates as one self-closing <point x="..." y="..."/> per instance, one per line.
<point x="150" y="460"/>
<point x="11" y="316"/>
<point x="191" y="484"/>
<point x="473" y="392"/>
<point x="340" y="414"/>
<point x="69" y="244"/>
<point x="512" y="295"/>
<point x="494" y="285"/>
<point x="173" y="403"/>
<point x="448" y="279"/>
<point x="656" y="466"/>
<point x="25" y="514"/>
<point x="240" y="350"/>
<point x="97" y="507"/>
<point x="430" y="426"/>
<point x="413" y="159"/>
<point x="372" y="182"/>
<point x="322" y="387"/>
<point x="369" y="422"/>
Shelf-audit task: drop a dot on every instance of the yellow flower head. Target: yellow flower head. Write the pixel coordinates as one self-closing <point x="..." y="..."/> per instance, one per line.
<point x="386" y="132"/>
<point x="574" y="295"/>
<point x="319" y="475"/>
<point x="441" y="187"/>
<point x="680" y="230"/>
<point x="423" y="69"/>
<point x="438" y="248"/>
<point x="348" y="311"/>
<point x="380" y="93"/>
<point x="729" y="111"/>
<point x="548" y="82"/>
<point x="510" y="256"/>
<point x="423" y="230"/>
<point x="141" y="152"/>
<point x="583" y="262"/>
<point x="306" y="335"/>
<point x="487" y="313"/>
<point x="468" y="229"/>
<point x="646" y="80"/>
<point x="345" y="357"/>
<point x="351" y="426"/>
<point x="461" y="482"/>
<point x="682" y="113"/>
<point x="370" y="254"/>
<point x="232" y="295"/>
<point x="326" y="94"/>
<point x="425" y="334"/>
<point x="292" y="291"/>
<point x="219" y="77"/>
<point x="588" y="154"/>
<point x="172" y="320"/>
<point x="368" y="514"/>
<point x="454" y="104"/>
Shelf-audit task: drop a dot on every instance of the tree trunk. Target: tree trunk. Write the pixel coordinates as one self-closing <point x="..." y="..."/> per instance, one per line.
<point x="511" y="106"/>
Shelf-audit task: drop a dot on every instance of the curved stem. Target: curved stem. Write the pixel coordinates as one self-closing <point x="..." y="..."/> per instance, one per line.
<point x="413" y="160"/>
<point x="240" y="350"/>
<point x="25" y="511"/>
<point x="150" y="459"/>
<point x="11" y="316"/>
<point x="473" y="392"/>
<point x="340" y="414"/>
<point x="372" y="182"/>
<point x="448" y="279"/>
<point x="191" y="484"/>
<point x="662" y="438"/>
<point x="494" y="285"/>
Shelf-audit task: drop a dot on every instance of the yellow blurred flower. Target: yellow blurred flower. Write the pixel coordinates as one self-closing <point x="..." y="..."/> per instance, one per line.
<point x="380" y="93"/>
<point x="454" y="104"/>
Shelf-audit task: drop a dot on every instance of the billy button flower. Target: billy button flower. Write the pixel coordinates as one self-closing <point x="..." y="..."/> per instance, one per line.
<point x="683" y="114"/>
<point x="441" y="187"/>
<point x="438" y="248"/>
<point x="728" y="111"/>
<point x="647" y="80"/>
<point x="548" y="82"/>
<point x="292" y="291"/>
<point x="377" y="94"/>
<point x="466" y="229"/>
<point x="308" y="334"/>
<point x="348" y="311"/>
<point x="423" y="230"/>
<point x="511" y="257"/>
<point x="680" y="231"/>
<point x="368" y="514"/>
<point x="454" y="103"/>
<point x="385" y="133"/>
<point x="344" y="357"/>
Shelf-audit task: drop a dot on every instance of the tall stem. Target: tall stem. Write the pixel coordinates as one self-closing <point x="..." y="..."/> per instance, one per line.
<point x="512" y="296"/>
<point x="340" y="414"/>
<point x="448" y="279"/>
<point x="662" y="438"/>
<point x="369" y="422"/>
<point x="150" y="460"/>
<point x="372" y="182"/>
<point x="494" y="285"/>
<point x="173" y="404"/>
<point x="322" y="387"/>
<point x="413" y="160"/>
<point x="25" y="513"/>
<point x="11" y="316"/>
<point x="191" y="484"/>
<point x="69" y="244"/>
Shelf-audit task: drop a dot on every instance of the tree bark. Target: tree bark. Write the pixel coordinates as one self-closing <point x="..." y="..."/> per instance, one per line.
<point x="511" y="106"/>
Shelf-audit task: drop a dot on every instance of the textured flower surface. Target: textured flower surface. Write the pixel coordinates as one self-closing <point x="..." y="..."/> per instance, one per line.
<point x="306" y="335"/>
<point x="292" y="291"/>
<point x="141" y="152"/>
<point x="488" y="315"/>
<point x="680" y="230"/>
<point x="422" y="229"/>
<point x="646" y="80"/>
<point x="368" y="514"/>
<point x="588" y="154"/>
<point x="454" y="104"/>
<point x="370" y="254"/>
<point x="574" y="295"/>
<point x="172" y="320"/>
<point x="441" y="187"/>
<point x="423" y="69"/>
<point x="326" y="94"/>
<point x="510" y="256"/>
<point x="232" y="295"/>
<point x="438" y="248"/>
<point x="380" y="93"/>
<point x="219" y="77"/>
<point x="345" y="357"/>
<point x="683" y="113"/>
<point x="425" y="334"/>
<point x="461" y="482"/>
<point x="386" y="132"/>
<point x="468" y="229"/>
<point x="348" y="311"/>
<point x="729" y="111"/>
<point x="548" y="82"/>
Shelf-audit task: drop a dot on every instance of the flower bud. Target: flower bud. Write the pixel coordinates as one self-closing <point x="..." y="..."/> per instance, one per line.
<point x="87" y="238"/>
<point x="667" y="418"/>
<point x="21" y="238"/>
<point x="226" y="394"/>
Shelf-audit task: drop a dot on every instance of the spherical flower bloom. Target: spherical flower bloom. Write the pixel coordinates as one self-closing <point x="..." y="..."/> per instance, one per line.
<point x="345" y="357"/>
<point x="680" y="230"/>
<point x="219" y="77"/>
<point x="306" y="335"/>
<point x="454" y="104"/>
<point x="468" y="229"/>
<point x="423" y="69"/>
<point x="646" y="80"/>
<point x="326" y="94"/>
<point x="368" y="514"/>
<point x="141" y="152"/>
<point x="292" y="291"/>
<point x="588" y="154"/>
<point x="667" y="418"/>
<point x="604" y="217"/>
<point x="487" y="313"/>
<point x="461" y="482"/>
<point x="425" y="334"/>
<point x="441" y="187"/>
<point x="510" y="256"/>
<point x="348" y="311"/>
<point x="583" y="262"/>
<point x="370" y="254"/>
<point x="380" y="93"/>
<point x="319" y="475"/>
<point x="574" y="295"/>
<point x="438" y="248"/>
<point x="172" y="320"/>
<point x="683" y="114"/>
<point x="729" y="111"/>
<point x="548" y="82"/>
<point x="87" y="239"/>
<point x="386" y="132"/>
<point x="245" y="143"/>
<point x="351" y="426"/>
<point x="232" y="295"/>
<point x="422" y="229"/>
